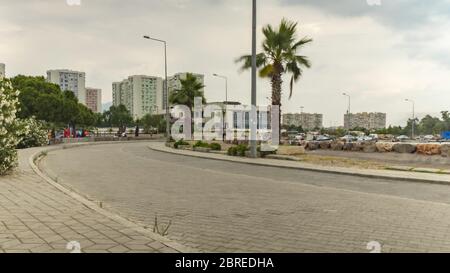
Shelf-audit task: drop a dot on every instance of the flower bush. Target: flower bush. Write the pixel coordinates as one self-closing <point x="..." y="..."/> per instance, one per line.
<point x="32" y="133"/>
<point x="9" y="126"/>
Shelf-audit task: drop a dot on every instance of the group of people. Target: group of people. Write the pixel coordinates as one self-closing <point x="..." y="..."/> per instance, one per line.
<point x="70" y="133"/>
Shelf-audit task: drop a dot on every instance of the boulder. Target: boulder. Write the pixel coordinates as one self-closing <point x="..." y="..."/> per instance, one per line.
<point x="384" y="147"/>
<point x="291" y="150"/>
<point x="429" y="149"/>
<point x="325" y="145"/>
<point x="357" y="147"/>
<point x="348" y="146"/>
<point x="369" y="147"/>
<point x="445" y="150"/>
<point x="337" y="145"/>
<point x="312" y="145"/>
<point x="405" y="148"/>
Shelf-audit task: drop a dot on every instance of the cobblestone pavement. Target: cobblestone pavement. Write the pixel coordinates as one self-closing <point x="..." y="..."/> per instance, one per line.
<point x="36" y="217"/>
<point x="230" y="207"/>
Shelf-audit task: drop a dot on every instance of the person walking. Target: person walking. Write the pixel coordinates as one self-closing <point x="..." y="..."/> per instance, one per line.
<point x="136" y="132"/>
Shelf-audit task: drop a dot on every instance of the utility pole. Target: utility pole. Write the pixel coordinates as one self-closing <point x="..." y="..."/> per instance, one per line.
<point x="253" y="113"/>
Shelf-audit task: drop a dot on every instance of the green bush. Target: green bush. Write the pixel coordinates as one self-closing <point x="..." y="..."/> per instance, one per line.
<point x="201" y="144"/>
<point x="238" y="150"/>
<point x="232" y="151"/>
<point x="180" y="142"/>
<point x="241" y="149"/>
<point x="10" y="128"/>
<point x="215" y="147"/>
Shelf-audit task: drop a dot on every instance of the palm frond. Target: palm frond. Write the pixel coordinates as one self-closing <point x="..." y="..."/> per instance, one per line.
<point x="301" y="43"/>
<point x="246" y="61"/>
<point x="266" y="71"/>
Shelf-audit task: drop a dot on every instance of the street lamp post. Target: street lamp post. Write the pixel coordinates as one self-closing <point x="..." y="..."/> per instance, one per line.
<point x="302" y="119"/>
<point x="413" y="125"/>
<point x="166" y="89"/>
<point x="349" y="110"/>
<point x="226" y="102"/>
<point x="253" y="132"/>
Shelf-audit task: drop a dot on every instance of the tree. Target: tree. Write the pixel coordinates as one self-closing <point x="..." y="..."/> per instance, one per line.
<point x="119" y="116"/>
<point x="446" y="120"/>
<point x="190" y="89"/>
<point x="46" y="102"/>
<point x="154" y="122"/>
<point x="280" y="56"/>
<point x="430" y="125"/>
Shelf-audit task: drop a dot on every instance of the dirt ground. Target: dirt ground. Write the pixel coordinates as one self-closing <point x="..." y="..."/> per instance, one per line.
<point x="379" y="160"/>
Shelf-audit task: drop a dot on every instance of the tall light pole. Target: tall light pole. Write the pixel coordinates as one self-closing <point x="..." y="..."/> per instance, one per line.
<point x="253" y="132"/>
<point x="302" y="119"/>
<point x="226" y="102"/>
<point x="413" y="117"/>
<point x="349" y="110"/>
<point x="166" y="88"/>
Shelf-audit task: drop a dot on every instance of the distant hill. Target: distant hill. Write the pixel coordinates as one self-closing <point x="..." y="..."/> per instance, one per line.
<point x="106" y="106"/>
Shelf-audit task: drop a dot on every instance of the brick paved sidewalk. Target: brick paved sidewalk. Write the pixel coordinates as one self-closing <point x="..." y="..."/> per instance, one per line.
<point x="37" y="217"/>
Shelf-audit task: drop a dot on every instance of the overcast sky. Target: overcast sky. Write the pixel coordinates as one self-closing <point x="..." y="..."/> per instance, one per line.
<point x="380" y="54"/>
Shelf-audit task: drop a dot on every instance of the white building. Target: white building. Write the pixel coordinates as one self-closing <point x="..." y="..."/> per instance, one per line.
<point x="69" y="80"/>
<point x="94" y="99"/>
<point x="2" y="71"/>
<point x="140" y="94"/>
<point x="175" y="83"/>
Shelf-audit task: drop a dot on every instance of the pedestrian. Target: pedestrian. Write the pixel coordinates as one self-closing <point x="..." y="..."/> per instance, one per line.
<point x="136" y="132"/>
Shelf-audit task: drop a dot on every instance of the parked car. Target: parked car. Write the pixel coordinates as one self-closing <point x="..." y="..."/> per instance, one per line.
<point x="365" y="139"/>
<point x="300" y="137"/>
<point x="374" y="137"/>
<point x="348" y="138"/>
<point x="402" y="138"/>
<point x="323" y="138"/>
<point x="429" y="138"/>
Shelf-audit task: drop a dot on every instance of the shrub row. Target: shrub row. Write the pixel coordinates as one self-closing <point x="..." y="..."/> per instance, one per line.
<point x="213" y="146"/>
<point x="239" y="150"/>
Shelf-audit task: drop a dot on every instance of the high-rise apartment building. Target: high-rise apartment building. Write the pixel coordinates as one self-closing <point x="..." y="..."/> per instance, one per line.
<point x="304" y="120"/>
<point x="69" y="80"/>
<point x="367" y="121"/>
<point x="140" y="94"/>
<point x="94" y="99"/>
<point x="2" y="71"/>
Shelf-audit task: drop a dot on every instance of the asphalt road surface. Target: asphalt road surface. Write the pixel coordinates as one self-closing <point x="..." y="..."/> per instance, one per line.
<point x="217" y="206"/>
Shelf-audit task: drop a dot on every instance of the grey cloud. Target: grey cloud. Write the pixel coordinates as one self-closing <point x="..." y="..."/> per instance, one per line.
<point x="402" y="14"/>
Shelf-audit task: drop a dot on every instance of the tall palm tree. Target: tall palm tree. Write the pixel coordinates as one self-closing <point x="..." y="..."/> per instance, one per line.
<point x="190" y="89"/>
<point x="279" y="56"/>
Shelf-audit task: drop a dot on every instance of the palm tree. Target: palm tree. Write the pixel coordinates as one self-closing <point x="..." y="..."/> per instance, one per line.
<point x="279" y="56"/>
<point x="190" y="89"/>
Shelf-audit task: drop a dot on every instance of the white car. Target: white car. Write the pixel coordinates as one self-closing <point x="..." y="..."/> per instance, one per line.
<point x="348" y="138"/>
<point x="365" y="138"/>
<point x="402" y="138"/>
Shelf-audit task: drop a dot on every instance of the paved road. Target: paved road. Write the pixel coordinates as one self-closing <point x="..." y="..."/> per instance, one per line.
<point x="228" y="207"/>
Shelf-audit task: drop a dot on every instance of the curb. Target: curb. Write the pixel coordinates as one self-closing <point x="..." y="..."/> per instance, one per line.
<point x="359" y="173"/>
<point x="94" y="206"/>
<point x="391" y="168"/>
